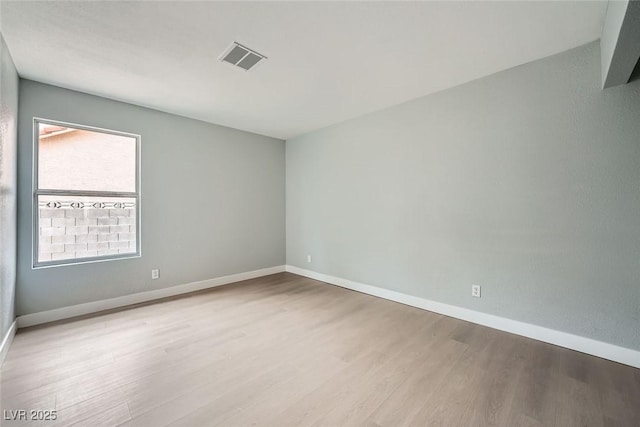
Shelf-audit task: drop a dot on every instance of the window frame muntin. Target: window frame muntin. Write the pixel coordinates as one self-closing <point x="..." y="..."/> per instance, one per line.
<point x="35" y="192"/>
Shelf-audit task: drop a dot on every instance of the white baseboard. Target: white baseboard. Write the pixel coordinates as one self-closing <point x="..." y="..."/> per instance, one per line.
<point x="96" y="306"/>
<point x="574" y="342"/>
<point x="7" y="340"/>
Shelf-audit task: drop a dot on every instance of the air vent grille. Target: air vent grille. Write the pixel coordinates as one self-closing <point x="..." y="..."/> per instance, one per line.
<point x="241" y="56"/>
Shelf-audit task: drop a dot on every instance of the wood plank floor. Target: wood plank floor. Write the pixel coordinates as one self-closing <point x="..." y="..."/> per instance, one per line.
<point x="284" y="350"/>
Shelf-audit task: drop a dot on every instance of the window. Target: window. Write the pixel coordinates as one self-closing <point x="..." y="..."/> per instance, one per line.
<point x="86" y="194"/>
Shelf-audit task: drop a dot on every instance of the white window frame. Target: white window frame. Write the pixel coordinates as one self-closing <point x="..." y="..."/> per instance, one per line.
<point x="58" y="192"/>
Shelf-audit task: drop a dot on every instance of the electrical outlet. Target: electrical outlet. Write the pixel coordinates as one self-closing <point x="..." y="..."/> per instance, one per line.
<point x="475" y="291"/>
<point x="308" y="258"/>
<point x="155" y="273"/>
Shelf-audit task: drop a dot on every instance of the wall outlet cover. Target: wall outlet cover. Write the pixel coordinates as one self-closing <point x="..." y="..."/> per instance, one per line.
<point x="475" y="291"/>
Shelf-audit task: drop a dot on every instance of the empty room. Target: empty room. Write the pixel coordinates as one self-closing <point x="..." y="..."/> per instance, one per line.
<point x="320" y="213"/>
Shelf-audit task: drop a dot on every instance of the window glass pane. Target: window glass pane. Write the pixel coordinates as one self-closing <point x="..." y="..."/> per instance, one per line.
<point x="76" y="159"/>
<point x="83" y="227"/>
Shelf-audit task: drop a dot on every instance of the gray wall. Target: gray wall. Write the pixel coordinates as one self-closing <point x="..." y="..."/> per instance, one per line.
<point x="526" y="182"/>
<point x="212" y="201"/>
<point x="8" y="181"/>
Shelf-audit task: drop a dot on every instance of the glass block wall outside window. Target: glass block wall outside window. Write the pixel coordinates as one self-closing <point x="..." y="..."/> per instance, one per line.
<point x="86" y="194"/>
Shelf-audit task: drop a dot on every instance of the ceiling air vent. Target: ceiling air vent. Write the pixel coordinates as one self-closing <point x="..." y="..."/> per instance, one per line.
<point x="241" y="56"/>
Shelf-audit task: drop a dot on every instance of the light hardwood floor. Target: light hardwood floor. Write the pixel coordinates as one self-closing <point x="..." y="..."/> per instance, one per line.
<point x="284" y="350"/>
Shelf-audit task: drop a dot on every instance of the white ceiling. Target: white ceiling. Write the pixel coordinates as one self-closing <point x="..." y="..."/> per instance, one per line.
<point x="328" y="61"/>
